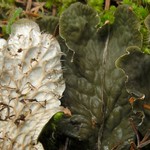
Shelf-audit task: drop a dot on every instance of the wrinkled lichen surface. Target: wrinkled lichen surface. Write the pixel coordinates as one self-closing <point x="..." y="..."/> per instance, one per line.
<point x="97" y="91"/>
<point x="106" y="75"/>
<point x="31" y="84"/>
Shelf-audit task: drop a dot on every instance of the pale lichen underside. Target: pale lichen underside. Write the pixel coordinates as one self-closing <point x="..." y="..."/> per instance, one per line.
<point x="31" y="83"/>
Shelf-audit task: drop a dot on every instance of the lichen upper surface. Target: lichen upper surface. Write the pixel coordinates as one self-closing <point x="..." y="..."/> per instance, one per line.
<point x="31" y="84"/>
<point x="95" y="88"/>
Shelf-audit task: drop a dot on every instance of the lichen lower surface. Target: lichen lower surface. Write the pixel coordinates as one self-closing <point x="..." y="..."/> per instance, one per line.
<point x="31" y="84"/>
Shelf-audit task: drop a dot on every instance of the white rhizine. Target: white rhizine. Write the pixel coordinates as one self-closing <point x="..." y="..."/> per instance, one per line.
<point x="31" y="84"/>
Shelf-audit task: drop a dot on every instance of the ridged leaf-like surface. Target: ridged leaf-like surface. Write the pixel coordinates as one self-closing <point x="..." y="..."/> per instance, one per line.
<point x="95" y="88"/>
<point x="135" y="65"/>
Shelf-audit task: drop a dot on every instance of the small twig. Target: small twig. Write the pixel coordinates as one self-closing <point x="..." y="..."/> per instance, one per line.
<point x="107" y="4"/>
<point x="29" y="4"/>
<point x="145" y="141"/>
<point x="146" y="137"/>
<point x="135" y="131"/>
<point x="143" y="144"/>
<point x="23" y="2"/>
<point x="66" y="144"/>
<point x="116" y="146"/>
<point x="54" y="10"/>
